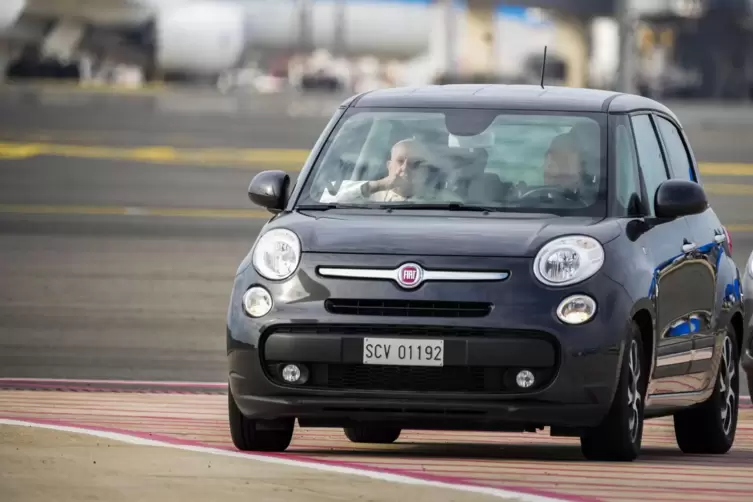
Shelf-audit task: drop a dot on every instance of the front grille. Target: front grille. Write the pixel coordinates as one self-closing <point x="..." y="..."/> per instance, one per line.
<point x="407" y="308"/>
<point x="462" y="379"/>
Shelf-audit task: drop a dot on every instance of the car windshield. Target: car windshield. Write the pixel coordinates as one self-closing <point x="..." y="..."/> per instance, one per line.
<point x="501" y="161"/>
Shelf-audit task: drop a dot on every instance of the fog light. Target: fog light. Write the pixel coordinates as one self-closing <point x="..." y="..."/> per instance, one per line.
<point x="293" y="373"/>
<point x="257" y="302"/>
<point x="525" y="379"/>
<point x="576" y="309"/>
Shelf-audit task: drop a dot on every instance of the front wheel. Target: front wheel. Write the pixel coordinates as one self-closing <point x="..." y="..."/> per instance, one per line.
<point x="248" y="435"/>
<point x="710" y="428"/>
<point x="619" y="436"/>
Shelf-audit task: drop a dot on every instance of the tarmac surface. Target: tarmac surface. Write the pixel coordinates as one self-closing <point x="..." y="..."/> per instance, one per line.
<point x="120" y="234"/>
<point x="67" y="466"/>
<point x="534" y="465"/>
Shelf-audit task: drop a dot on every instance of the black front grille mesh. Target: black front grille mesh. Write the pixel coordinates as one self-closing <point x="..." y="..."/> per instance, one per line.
<point x="407" y="308"/>
<point x="397" y="378"/>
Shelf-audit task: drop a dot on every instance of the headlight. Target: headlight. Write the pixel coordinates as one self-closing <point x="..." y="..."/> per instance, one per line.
<point x="277" y="254"/>
<point x="568" y="260"/>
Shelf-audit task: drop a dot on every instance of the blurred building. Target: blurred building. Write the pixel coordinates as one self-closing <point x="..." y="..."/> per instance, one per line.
<point x="698" y="48"/>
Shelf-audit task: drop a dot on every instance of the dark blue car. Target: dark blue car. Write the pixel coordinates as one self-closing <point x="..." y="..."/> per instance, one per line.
<point x="490" y="258"/>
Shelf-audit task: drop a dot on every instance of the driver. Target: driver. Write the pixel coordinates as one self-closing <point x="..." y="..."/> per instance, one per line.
<point x="409" y="176"/>
<point x="562" y="165"/>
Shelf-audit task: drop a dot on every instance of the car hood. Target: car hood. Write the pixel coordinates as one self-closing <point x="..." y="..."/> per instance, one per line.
<point x="401" y="234"/>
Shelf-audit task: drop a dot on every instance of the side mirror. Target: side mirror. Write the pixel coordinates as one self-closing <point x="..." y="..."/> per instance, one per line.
<point x="269" y="189"/>
<point x="675" y="198"/>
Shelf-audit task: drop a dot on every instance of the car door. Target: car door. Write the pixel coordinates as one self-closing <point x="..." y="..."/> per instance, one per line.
<point x="665" y="244"/>
<point x="708" y="237"/>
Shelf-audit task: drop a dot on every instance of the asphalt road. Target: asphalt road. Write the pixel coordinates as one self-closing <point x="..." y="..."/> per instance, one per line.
<point x="89" y="294"/>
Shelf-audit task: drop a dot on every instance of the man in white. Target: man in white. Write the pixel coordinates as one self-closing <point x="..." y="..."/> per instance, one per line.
<point x="409" y="177"/>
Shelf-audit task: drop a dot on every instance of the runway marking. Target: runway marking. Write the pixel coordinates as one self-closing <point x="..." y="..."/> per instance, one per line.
<point x="230" y="157"/>
<point x="533" y="462"/>
<point x="206" y="157"/>
<point x="84" y="87"/>
<point x="243" y="214"/>
<point x="727" y="169"/>
<point x="143" y="439"/>
<point x="151" y="383"/>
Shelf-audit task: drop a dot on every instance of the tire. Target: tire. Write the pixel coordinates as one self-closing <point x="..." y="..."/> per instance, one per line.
<point x="711" y="427"/>
<point x="248" y="437"/>
<point x="618" y="438"/>
<point x="372" y="434"/>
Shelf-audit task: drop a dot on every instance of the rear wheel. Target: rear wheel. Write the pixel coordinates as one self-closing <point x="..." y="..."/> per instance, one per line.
<point x="619" y="436"/>
<point x="372" y="434"/>
<point x="253" y="435"/>
<point x="710" y="428"/>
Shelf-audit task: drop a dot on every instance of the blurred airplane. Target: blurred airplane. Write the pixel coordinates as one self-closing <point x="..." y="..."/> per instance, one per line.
<point x="210" y="37"/>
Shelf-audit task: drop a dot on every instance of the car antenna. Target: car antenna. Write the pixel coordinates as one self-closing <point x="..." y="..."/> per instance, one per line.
<point x="543" y="68"/>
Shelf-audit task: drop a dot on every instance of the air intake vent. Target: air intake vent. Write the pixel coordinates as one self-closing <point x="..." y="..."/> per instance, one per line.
<point x="407" y="308"/>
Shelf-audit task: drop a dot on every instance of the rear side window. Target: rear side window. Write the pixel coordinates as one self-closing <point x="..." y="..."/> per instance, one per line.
<point x="677" y="154"/>
<point x="650" y="157"/>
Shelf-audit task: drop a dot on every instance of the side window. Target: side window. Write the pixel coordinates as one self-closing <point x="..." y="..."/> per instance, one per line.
<point x="676" y="153"/>
<point x="649" y="157"/>
<point x="627" y="166"/>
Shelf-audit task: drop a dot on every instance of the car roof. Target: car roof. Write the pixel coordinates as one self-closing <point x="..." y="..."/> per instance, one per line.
<point x="510" y="97"/>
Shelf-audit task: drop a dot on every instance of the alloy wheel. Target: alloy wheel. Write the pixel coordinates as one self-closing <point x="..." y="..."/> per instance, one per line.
<point x="726" y="381"/>
<point x="634" y="390"/>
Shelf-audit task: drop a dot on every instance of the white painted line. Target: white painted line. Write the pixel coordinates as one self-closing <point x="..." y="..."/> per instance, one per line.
<point x="157" y="383"/>
<point x="381" y="476"/>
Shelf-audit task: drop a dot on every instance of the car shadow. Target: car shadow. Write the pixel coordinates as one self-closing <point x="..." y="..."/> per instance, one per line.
<point x="522" y="452"/>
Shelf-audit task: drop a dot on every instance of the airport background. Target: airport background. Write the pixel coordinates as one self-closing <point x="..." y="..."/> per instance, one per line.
<point x="129" y="132"/>
<point x="690" y="49"/>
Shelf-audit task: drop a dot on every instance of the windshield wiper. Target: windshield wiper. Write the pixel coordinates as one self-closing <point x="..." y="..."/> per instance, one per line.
<point x="331" y="205"/>
<point x="449" y="206"/>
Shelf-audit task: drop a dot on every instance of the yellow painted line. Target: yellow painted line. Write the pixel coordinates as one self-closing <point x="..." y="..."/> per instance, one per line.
<point x="725" y="169"/>
<point x="292" y="158"/>
<point x="740" y="228"/>
<point x="245" y="214"/>
<point x="135" y="211"/>
<point x="215" y="157"/>
<point x="74" y="86"/>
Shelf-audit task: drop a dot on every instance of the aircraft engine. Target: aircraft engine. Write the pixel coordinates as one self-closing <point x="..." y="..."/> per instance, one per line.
<point x="206" y="38"/>
<point x="10" y="11"/>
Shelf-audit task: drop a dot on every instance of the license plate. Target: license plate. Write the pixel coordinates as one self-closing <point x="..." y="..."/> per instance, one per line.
<point x="401" y="352"/>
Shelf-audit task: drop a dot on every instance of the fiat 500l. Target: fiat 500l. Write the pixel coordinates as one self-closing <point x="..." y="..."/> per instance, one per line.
<point x="496" y="258"/>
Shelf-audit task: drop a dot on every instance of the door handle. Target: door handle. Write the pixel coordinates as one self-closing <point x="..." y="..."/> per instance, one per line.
<point x="688" y="247"/>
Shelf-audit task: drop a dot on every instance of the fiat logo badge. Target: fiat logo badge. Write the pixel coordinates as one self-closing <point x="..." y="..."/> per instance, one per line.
<point x="409" y="275"/>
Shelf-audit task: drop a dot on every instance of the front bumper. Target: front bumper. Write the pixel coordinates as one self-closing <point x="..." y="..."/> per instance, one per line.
<point x="576" y="367"/>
